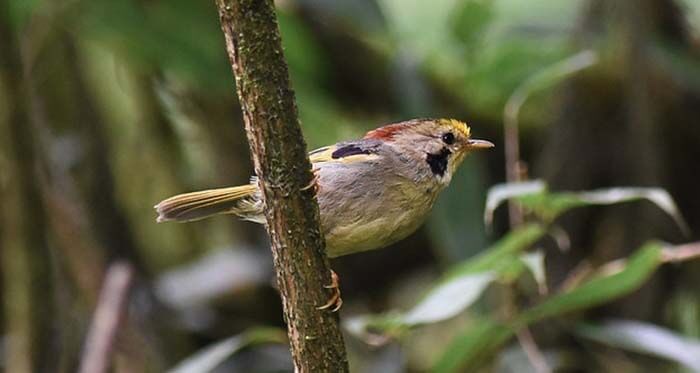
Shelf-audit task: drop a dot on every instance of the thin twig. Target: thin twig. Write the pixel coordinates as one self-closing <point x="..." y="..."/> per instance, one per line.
<point x="525" y="339"/>
<point x="576" y="276"/>
<point x="532" y="351"/>
<point x="107" y="317"/>
<point x="669" y="254"/>
<point x="516" y="169"/>
<point x="679" y="253"/>
<point x="543" y="78"/>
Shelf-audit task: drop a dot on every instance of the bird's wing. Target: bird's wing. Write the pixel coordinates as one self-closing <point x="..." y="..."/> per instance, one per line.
<point x="346" y="152"/>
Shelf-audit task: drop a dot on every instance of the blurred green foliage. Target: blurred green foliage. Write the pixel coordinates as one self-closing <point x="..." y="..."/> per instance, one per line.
<point x="149" y="82"/>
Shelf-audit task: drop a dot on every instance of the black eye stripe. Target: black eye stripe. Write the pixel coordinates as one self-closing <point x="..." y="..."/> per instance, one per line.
<point x="448" y="138"/>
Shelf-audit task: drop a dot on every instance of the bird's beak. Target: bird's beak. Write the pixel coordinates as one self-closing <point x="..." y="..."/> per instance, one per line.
<point x="479" y="144"/>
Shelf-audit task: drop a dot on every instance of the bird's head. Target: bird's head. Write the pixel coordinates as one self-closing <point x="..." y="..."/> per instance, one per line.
<point x="438" y="144"/>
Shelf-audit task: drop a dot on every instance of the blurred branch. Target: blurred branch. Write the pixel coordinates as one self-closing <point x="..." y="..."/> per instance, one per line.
<point x="681" y="253"/>
<point x="110" y="311"/>
<point x="26" y="258"/>
<point x="97" y="184"/>
<point x="542" y="79"/>
<point x="516" y="169"/>
<point x="669" y="254"/>
<point x="532" y="351"/>
<point x="147" y="339"/>
<point x="527" y="342"/>
<point x="281" y="163"/>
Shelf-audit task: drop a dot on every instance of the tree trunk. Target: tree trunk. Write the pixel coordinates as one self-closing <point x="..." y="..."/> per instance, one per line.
<point x="279" y="157"/>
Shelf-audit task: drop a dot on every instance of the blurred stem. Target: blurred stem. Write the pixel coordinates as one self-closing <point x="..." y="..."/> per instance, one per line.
<point x="109" y="314"/>
<point x="145" y="341"/>
<point x="281" y="163"/>
<point x="669" y="254"/>
<point x="106" y="216"/>
<point x="525" y="339"/>
<point x="515" y="168"/>
<point x="681" y="253"/>
<point x="26" y="266"/>
<point x="533" y="353"/>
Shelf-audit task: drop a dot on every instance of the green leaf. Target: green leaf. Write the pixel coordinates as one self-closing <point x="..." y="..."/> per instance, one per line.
<point x="500" y="193"/>
<point x="459" y="288"/>
<point x="479" y="341"/>
<point x="212" y="356"/>
<point x="549" y="205"/>
<point x="442" y="302"/>
<point x="658" y="196"/>
<point x="463" y="284"/>
<point x="470" y="348"/>
<point x="647" y="339"/>
<point x="449" y="299"/>
<point x="599" y="290"/>
<point x="497" y="255"/>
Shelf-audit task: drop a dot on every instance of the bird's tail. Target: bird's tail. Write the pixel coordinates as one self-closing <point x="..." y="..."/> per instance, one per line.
<point x="241" y="200"/>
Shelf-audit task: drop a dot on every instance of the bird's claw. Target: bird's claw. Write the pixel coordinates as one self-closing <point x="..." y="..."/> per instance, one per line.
<point x="335" y="300"/>
<point x="313" y="183"/>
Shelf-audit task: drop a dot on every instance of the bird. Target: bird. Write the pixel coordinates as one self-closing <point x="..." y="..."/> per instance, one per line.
<point x="371" y="192"/>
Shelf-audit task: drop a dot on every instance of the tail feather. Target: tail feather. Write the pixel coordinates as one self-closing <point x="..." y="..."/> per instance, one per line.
<point x="199" y="205"/>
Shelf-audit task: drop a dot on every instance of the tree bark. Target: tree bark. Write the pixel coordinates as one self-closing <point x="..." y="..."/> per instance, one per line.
<point x="281" y="163"/>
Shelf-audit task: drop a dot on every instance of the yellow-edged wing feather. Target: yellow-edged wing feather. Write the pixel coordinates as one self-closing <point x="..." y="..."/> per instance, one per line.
<point x="325" y="154"/>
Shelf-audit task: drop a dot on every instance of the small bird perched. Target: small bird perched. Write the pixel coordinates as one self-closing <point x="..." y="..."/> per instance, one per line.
<point x="371" y="192"/>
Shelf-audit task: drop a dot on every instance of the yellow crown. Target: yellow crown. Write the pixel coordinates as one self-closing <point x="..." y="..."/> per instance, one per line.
<point x="458" y="126"/>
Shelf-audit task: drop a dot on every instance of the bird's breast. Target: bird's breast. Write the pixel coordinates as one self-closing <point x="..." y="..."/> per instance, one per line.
<point x="369" y="207"/>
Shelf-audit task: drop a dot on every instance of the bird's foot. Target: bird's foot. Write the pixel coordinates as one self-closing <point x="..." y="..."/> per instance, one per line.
<point x="313" y="184"/>
<point x="335" y="300"/>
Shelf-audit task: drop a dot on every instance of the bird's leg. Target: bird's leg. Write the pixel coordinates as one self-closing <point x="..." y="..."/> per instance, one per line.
<point x="313" y="183"/>
<point x="335" y="300"/>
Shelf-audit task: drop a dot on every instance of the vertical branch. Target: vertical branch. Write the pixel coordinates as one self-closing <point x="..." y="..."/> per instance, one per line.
<point x="145" y="340"/>
<point x="98" y="181"/>
<point x="549" y="75"/>
<point x="516" y="168"/>
<point x="279" y="156"/>
<point x="26" y="258"/>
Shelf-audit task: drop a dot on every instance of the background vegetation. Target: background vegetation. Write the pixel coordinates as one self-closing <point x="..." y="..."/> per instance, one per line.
<point x="107" y="107"/>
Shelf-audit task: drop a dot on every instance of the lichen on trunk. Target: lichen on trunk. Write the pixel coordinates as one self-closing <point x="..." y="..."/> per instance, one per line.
<point x="281" y="163"/>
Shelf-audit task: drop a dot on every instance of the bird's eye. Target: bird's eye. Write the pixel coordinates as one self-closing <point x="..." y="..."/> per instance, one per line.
<point x="448" y="138"/>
